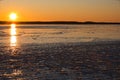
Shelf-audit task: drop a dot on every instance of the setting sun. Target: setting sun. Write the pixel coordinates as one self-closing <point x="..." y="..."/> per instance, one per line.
<point x="13" y="16"/>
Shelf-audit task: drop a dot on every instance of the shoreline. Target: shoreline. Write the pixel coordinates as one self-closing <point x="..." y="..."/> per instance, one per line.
<point x="47" y="45"/>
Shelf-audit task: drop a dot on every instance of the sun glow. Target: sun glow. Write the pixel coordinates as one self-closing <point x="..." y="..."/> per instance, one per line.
<point x="13" y="16"/>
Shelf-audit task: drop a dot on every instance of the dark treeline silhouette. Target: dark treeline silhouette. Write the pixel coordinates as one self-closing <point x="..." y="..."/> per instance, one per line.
<point x="57" y="22"/>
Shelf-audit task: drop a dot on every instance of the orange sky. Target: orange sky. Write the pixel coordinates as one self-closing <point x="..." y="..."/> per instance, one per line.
<point x="61" y="10"/>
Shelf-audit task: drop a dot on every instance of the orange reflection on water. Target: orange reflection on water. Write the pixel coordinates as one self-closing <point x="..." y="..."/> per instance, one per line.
<point x="13" y="39"/>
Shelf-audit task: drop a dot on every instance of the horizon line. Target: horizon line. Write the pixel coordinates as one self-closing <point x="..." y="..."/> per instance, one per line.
<point x="57" y="22"/>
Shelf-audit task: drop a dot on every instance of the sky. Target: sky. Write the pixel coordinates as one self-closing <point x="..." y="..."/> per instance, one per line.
<point x="61" y="10"/>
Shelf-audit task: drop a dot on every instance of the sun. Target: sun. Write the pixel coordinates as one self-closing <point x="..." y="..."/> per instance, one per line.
<point x="13" y="16"/>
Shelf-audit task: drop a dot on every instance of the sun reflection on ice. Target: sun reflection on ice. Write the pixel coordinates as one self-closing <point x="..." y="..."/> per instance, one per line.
<point x="13" y="29"/>
<point x="13" y="39"/>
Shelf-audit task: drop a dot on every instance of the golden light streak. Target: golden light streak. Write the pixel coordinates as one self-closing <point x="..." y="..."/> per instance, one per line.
<point x="13" y="39"/>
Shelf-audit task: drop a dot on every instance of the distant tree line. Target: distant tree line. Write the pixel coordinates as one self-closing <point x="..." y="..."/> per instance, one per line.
<point x="57" y="22"/>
